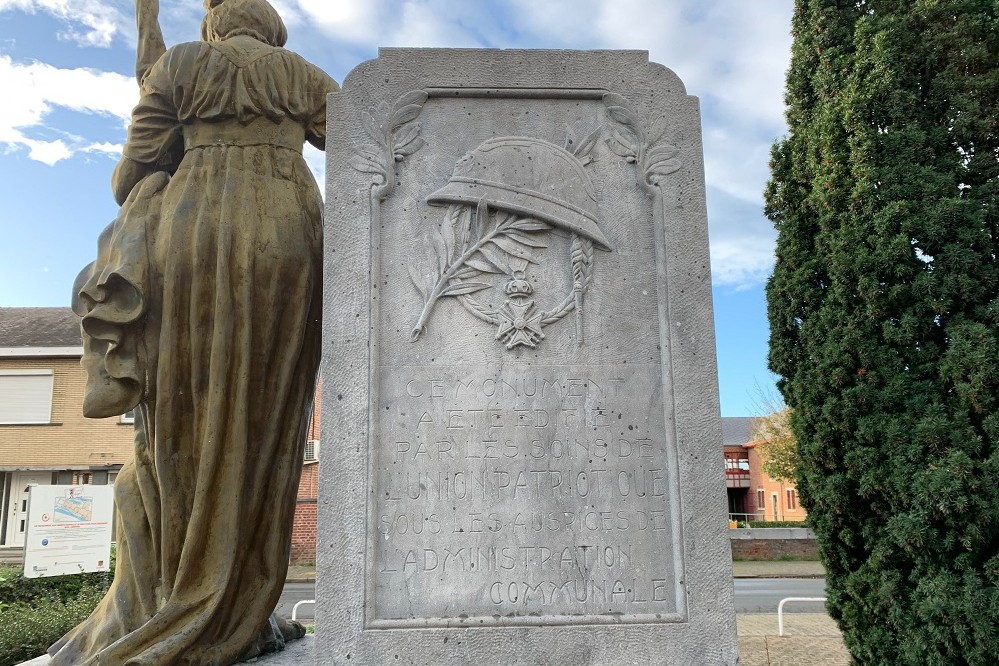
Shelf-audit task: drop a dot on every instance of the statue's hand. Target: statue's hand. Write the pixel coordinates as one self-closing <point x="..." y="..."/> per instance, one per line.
<point x="151" y="45"/>
<point x="147" y="8"/>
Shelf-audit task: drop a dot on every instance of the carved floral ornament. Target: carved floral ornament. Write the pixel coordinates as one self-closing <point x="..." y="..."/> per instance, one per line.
<point x="503" y="200"/>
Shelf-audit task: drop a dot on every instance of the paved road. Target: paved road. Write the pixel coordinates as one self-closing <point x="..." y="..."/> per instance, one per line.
<point x="293" y="593"/>
<point x="752" y="595"/>
<point x="761" y="595"/>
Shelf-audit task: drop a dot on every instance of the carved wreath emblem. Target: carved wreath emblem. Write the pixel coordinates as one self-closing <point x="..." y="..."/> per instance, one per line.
<point x="504" y="199"/>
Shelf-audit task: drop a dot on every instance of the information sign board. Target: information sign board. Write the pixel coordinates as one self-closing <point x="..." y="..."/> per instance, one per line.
<point x="69" y="530"/>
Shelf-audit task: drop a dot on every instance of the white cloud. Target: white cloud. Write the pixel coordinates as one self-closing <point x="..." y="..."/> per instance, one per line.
<point x="316" y="160"/>
<point x="97" y="22"/>
<point x="354" y="21"/>
<point x="741" y="260"/>
<point x="34" y="89"/>
<point x="742" y="240"/>
<point x="428" y="24"/>
<point x="47" y="152"/>
<point x="112" y="149"/>
<point x="288" y="9"/>
<point x="372" y="23"/>
<point x="736" y="160"/>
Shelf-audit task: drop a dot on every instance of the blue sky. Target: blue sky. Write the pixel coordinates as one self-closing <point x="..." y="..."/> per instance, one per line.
<point x="68" y="87"/>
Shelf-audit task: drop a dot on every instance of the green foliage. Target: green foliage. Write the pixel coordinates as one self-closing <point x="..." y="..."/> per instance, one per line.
<point x="14" y="587"/>
<point x="28" y="629"/>
<point x="36" y="612"/>
<point x="776" y="523"/>
<point x="884" y="314"/>
<point x="776" y="444"/>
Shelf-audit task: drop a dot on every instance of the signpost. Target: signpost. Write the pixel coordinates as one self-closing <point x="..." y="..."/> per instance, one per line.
<point x="69" y="530"/>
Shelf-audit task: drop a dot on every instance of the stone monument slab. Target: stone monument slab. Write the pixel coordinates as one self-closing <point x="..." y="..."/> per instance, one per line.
<point x="521" y="457"/>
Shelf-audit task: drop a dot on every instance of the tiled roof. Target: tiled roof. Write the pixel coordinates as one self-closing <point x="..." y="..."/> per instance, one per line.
<point x="39" y="327"/>
<point x="736" y="430"/>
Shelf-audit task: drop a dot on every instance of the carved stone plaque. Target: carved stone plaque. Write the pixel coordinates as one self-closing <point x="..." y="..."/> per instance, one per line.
<point x="521" y="458"/>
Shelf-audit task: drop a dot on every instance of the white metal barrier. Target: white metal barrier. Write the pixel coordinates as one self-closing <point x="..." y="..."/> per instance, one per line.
<point x="780" y="610"/>
<point x="294" y="610"/>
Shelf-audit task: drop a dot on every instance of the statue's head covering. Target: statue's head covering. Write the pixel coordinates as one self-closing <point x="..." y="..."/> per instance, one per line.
<point x="255" y="18"/>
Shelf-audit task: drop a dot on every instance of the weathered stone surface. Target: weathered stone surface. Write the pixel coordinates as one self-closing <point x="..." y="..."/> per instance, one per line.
<point x="521" y="432"/>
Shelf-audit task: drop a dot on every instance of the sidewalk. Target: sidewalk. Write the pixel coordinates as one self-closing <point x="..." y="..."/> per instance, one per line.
<point x="298" y="574"/>
<point x="809" y="640"/>
<point x="794" y="569"/>
<point x="804" y="569"/>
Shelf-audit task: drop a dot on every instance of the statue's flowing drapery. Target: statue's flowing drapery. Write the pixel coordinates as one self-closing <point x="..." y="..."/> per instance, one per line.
<point x="204" y="302"/>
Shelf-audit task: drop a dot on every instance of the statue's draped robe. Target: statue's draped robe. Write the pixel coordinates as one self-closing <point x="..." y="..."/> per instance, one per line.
<point x="205" y="300"/>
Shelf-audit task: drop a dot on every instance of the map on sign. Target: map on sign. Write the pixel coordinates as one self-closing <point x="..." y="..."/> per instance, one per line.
<point x="74" y="509"/>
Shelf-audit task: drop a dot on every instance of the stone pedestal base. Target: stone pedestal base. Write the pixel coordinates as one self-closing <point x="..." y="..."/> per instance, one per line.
<point x="298" y="653"/>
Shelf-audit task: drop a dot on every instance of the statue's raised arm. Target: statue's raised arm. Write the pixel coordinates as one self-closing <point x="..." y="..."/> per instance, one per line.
<point x="150" y="42"/>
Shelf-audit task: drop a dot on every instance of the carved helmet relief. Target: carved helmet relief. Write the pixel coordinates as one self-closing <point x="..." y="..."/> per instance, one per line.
<point x="504" y="198"/>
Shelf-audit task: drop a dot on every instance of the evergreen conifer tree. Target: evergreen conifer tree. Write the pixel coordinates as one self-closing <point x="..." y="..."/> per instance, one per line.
<point x="884" y="314"/>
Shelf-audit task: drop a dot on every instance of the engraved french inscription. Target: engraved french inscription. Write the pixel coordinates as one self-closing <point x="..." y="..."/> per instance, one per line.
<point x="519" y="494"/>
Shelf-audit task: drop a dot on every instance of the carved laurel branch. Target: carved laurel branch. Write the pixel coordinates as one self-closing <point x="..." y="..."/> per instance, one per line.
<point x="582" y="149"/>
<point x="655" y="161"/>
<point x="393" y="139"/>
<point x="465" y="247"/>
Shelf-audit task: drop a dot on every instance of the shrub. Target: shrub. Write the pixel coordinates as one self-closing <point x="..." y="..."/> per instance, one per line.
<point x="36" y="612"/>
<point x="27" y="629"/>
<point x="14" y="587"/>
<point x="777" y="523"/>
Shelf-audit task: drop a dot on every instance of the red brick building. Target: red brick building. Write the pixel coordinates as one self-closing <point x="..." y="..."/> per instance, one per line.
<point x="303" y="535"/>
<point x="752" y="494"/>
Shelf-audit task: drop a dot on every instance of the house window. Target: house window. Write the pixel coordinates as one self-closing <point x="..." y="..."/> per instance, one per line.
<point x="312" y="450"/>
<point x="83" y="478"/>
<point x="760" y="506"/>
<point x="25" y="396"/>
<point x="128" y="417"/>
<point x="736" y="461"/>
<point x="792" y="499"/>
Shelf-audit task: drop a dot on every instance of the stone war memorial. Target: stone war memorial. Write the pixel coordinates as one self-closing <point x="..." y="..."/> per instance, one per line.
<point x="521" y="418"/>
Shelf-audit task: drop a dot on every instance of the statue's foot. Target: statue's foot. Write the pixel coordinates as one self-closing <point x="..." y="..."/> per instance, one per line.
<point x="274" y="636"/>
<point x="291" y="629"/>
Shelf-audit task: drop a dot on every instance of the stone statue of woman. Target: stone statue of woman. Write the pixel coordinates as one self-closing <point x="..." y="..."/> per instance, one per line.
<point x="202" y="312"/>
